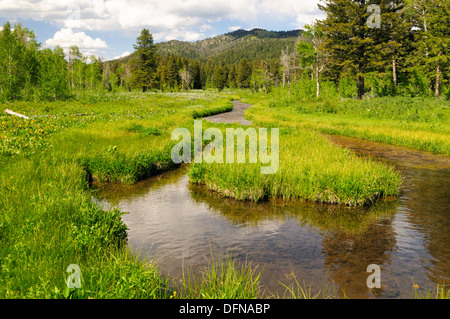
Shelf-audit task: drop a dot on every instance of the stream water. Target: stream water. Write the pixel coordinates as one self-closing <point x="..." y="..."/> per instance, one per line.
<point x="326" y="246"/>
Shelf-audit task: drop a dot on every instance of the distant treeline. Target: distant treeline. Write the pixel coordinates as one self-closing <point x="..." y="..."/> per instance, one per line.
<point x="407" y="54"/>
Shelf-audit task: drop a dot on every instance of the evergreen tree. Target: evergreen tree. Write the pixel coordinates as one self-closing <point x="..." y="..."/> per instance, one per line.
<point x="348" y="41"/>
<point x="432" y="39"/>
<point x="391" y="42"/>
<point x="196" y="81"/>
<point x="274" y="68"/>
<point x="244" y="74"/>
<point x="232" y="75"/>
<point x="220" y="77"/>
<point x="144" y="63"/>
<point x="172" y="71"/>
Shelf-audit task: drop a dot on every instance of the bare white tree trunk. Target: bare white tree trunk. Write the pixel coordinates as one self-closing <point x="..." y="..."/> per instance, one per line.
<point x="438" y="80"/>
<point x="317" y="80"/>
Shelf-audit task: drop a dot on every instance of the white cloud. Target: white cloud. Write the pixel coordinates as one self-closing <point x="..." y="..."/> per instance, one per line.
<point x="234" y="28"/>
<point x="188" y="20"/>
<point x="158" y="15"/>
<point x="65" y="38"/>
<point x="127" y="53"/>
<point x="179" y="34"/>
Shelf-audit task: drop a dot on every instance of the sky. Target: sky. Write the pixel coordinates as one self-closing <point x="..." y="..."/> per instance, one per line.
<point x="109" y="28"/>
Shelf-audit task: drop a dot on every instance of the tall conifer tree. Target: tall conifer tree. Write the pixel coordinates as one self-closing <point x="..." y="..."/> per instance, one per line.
<point x="144" y="62"/>
<point x="348" y="42"/>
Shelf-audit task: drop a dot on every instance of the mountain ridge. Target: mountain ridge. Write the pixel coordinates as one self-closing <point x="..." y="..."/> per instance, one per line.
<point x="231" y="47"/>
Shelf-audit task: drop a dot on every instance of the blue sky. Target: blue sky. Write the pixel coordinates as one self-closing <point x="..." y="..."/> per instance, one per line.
<point x="108" y="28"/>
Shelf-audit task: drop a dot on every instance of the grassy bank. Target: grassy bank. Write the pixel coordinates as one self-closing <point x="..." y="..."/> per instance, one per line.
<point x="419" y="123"/>
<point x="310" y="168"/>
<point x="47" y="218"/>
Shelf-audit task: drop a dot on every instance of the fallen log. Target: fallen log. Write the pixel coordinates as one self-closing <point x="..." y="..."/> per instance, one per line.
<point x="16" y="114"/>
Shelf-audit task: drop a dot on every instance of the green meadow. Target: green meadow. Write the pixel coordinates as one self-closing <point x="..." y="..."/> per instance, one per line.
<point x="48" y="219"/>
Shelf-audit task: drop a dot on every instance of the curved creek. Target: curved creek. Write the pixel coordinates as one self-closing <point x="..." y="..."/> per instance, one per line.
<point x="326" y="246"/>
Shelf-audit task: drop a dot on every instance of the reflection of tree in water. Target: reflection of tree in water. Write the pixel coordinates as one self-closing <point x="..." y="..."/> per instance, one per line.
<point x="116" y="192"/>
<point x="427" y="199"/>
<point x="347" y="257"/>
<point x="424" y="202"/>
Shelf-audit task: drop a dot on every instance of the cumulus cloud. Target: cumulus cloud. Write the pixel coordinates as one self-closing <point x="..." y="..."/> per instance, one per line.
<point x="234" y="28"/>
<point x="179" y="34"/>
<point x="65" y="38"/>
<point x="127" y="53"/>
<point x="159" y="15"/>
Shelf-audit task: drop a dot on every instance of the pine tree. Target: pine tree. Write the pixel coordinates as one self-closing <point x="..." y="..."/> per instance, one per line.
<point x="196" y="75"/>
<point x="232" y="77"/>
<point x="348" y="41"/>
<point x="432" y="39"/>
<point x="144" y="63"/>
<point x="274" y="68"/>
<point x="172" y="71"/>
<point x="220" y="77"/>
<point x="391" y="41"/>
<point x="244" y="73"/>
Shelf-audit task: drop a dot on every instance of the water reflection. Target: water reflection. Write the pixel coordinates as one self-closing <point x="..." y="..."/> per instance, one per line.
<point x="324" y="217"/>
<point x="421" y="225"/>
<point x="352" y="238"/>
<point x="179" y="222"/>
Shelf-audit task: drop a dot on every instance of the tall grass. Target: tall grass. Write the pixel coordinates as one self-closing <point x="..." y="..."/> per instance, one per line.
<point x="310" y="168"/>
<point x="221" y="278"/>
<point x="420" y="123"/>
<point x="442" y="291"/>
<point x="212" y="111"/>
<point x="297" y="290"/>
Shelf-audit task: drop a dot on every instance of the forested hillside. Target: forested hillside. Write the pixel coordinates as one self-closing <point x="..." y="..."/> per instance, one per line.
<point x="406" y="55"/>
<point x="232" y="47"/>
